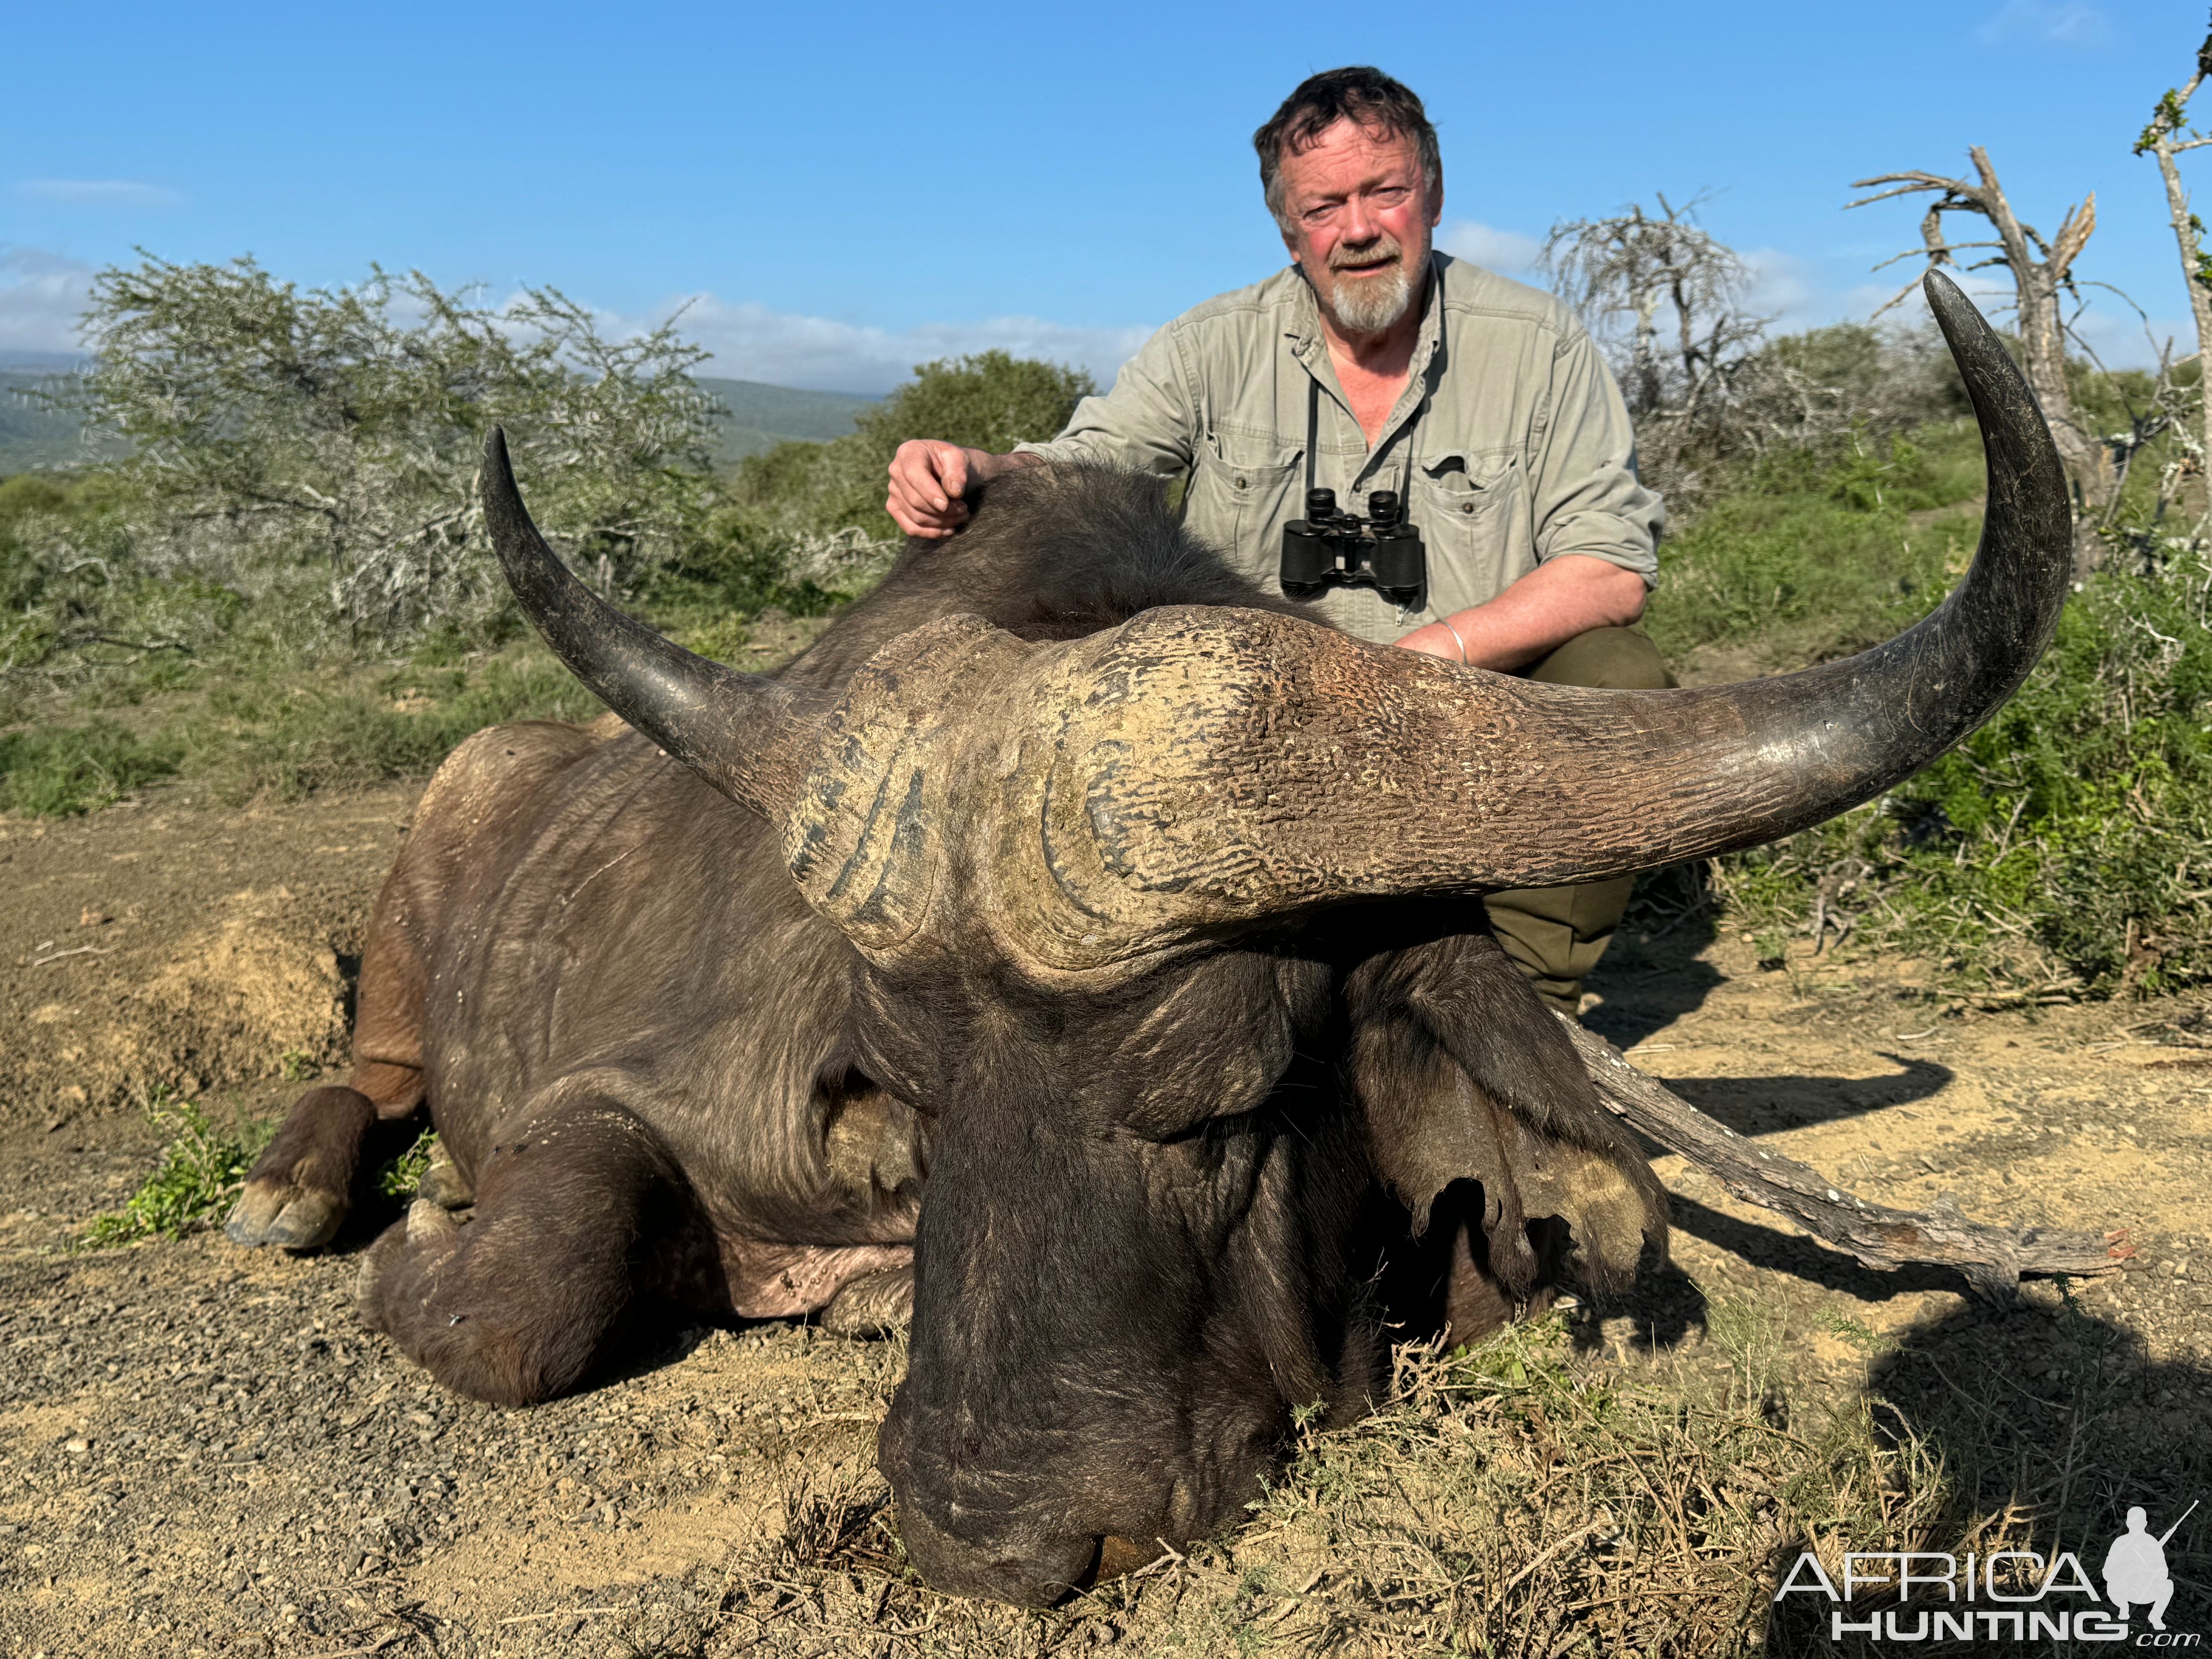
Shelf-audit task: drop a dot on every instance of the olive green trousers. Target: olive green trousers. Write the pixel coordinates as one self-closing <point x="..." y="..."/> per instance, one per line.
<point x="1555" y="935"/>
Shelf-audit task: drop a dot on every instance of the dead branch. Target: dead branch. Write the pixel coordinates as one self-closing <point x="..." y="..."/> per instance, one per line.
<point x="2041" y="270"/>
<point x="2167" y="136"/>
<point x="1993" y="1259"/>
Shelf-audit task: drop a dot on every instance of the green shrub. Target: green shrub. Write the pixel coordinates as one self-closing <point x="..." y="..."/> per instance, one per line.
<point x="1817" y="554"/>
<point x="988" y="401"/>
<point x="270" y="736"/>
<point x="203" y="1169"/>
<point x="2065" y="844"/>
<point x="59" y="770"/>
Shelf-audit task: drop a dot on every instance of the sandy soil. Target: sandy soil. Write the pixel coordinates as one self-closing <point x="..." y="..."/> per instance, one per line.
<point x="201" y="1453"/>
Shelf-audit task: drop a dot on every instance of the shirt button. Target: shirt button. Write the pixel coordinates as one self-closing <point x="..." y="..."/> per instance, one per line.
<point x="1240" y="482"/>
<point x="1466" y="507"/>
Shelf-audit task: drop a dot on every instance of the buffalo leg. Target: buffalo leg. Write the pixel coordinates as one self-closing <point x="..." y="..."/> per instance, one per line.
<point x="880" y="1303"/>
<point x="298" y="1191"/>
<point x="443" y="1183"/>
<point x="517" y="1303"/>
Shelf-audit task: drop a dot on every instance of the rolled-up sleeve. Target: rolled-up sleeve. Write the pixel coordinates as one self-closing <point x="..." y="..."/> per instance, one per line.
<point x="1587" y="497"/>
<point x="1147" y="423"/>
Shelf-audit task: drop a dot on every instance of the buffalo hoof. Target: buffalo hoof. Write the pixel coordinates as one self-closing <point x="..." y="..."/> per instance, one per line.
<point x="428" y="1230"/>
<point x="429" y="1223"/>
<point x="275" y="1211"/>
<point x="880" y="1303"/>
<point x="444" y="1184"/>
<point x="296" y="1196"/>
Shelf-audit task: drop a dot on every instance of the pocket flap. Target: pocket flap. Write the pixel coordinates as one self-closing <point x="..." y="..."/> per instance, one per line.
<point x="1455" y="474"/>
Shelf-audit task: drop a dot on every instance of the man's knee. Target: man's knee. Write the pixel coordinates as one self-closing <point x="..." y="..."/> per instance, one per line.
<point x="1610" y="658"/>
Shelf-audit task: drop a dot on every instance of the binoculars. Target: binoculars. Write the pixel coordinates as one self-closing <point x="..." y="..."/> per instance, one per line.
<point x="1328" y="548"/>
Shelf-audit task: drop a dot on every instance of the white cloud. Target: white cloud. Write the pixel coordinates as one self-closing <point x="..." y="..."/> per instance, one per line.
<point x="41" y="296"/>
<point x="1781" y="288"/>
<point x="752" y="342"/>
<point x="100" y="192"/>
<point x="2047" y="22"/>
<point x="43" y="293"/>
<point x="1508" y="252"/>
<point x="2111" y="329"/>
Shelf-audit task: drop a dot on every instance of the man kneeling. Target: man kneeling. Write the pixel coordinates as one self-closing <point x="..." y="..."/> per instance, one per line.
<point x="1376" y="364"/>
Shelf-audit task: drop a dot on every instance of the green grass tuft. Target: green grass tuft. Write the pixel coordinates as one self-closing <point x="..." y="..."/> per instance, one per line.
<point x="58" y="771"/>
<point x="399" y="1178"/>
<point x="201" y="1170"/>
<point x="269" y="735"/>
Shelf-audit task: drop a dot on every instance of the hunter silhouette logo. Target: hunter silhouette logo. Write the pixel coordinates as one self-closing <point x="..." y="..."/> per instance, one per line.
<point x="1974" y="1598"/>
<point x="2134" y="1567"/>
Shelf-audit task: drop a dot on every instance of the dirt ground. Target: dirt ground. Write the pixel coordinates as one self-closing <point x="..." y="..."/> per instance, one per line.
<point x="201" y="1453"/>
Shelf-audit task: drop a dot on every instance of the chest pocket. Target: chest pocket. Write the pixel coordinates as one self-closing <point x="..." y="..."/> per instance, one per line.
<point x="1473" y="514"/>
<point x="1240" y="493"/>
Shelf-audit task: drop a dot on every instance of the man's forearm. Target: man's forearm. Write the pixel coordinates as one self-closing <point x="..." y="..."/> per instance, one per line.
<point x="1561" y="598"/>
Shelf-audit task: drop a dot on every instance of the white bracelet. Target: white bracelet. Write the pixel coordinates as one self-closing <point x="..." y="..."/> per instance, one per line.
<point x="1460" y="643"/>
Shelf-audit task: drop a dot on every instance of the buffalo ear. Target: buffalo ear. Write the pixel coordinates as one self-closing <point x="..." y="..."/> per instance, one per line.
<point x="1464" y="1076"/>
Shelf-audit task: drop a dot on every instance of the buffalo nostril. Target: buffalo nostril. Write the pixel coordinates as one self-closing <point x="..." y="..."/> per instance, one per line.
<point x="1093" y="1572"/>
<point x="1029" y="1568"/>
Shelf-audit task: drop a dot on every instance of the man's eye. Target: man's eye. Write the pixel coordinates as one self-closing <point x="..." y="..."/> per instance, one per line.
<point x="1393" y="195"/>
<point x="1321" y="216"/>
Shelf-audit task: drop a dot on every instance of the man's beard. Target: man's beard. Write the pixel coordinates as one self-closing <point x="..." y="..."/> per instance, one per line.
<point x="1368" y="305"/>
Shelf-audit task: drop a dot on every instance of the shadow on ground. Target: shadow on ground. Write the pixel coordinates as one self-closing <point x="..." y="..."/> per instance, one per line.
<point x="2034" y="1428"/>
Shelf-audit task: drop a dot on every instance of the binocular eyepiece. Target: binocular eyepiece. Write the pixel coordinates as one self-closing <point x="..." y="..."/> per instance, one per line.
<point x="1328" y="548"/>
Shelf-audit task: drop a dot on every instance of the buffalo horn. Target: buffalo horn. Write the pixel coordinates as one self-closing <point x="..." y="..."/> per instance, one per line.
<point x="1329" y="769"/>
<point x="749" y="737"/>
<point x="1699" y="772"/>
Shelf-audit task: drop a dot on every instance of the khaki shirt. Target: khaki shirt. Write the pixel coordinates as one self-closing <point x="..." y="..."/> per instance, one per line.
<point x="1511" y="444"/>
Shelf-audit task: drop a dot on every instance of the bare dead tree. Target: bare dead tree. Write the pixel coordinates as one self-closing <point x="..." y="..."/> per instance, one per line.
<point x="2042" y="271"/>
<point x="2167" y="136"/>
<point x="1632" y="265"/>
<point x="1667" y="300"/>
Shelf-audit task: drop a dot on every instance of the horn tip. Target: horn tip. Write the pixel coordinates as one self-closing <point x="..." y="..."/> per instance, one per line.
<point x="1943" y="295"/>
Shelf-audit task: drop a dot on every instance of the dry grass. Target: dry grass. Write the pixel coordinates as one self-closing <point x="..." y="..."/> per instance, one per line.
<point x="1528" y="1496"/>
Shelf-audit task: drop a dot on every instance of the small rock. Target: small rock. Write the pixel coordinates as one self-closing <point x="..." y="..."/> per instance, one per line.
<point x="76" y="1443"/>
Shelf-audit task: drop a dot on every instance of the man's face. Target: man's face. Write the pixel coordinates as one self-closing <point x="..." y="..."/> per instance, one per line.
<point x="1360" y="212"/>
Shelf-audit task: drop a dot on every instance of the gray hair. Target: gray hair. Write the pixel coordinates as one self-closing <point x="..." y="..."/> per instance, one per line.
<point x="1362" y="94"/>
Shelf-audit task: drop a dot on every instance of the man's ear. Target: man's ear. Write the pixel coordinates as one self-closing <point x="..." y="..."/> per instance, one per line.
<point x="1463" y="1075"/>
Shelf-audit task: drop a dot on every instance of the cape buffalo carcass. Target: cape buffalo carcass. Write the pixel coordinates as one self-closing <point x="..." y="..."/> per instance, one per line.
<point x="1082" y="948"/>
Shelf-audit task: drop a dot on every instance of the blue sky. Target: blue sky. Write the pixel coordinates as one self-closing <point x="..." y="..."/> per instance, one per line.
<point x="842" y="189"/>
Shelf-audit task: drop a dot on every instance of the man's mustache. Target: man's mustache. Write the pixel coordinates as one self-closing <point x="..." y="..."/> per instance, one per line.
<point x="1382" y="248"/>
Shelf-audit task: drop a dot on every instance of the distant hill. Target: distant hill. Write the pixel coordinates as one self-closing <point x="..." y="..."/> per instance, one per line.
<point x="33" y="436"/>
<point x="761" y="416"/>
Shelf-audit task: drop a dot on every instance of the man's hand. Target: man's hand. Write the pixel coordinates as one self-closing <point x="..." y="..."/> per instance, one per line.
<point x="928" y="478"/>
